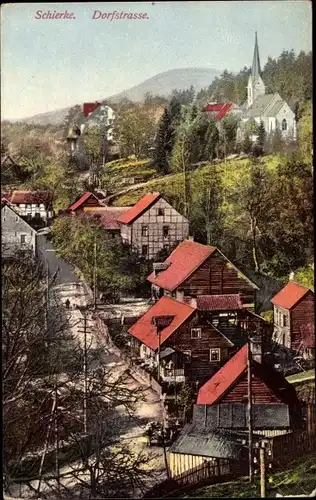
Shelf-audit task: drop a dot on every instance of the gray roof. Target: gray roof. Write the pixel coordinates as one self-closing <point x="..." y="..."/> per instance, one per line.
<point x="194" y="440"/>
<point x="259" y="106"/>
<point x="234" y="334"/>
<point x="256" y="69"/>
<point x="166" y="352"/>
<point x="226" y="415"/>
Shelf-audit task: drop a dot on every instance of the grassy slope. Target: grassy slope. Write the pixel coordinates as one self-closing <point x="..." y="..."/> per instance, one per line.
<point x="301" y="376"/>
<point x="172" y="185"/>
<point x="298" y="479"/>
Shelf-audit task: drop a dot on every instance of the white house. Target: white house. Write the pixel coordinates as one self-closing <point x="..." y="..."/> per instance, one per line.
<point x="270" y="109"/>
<point x="16" y="233"/>
<point x="104" y="115"/>
<point x="32" y="205"/>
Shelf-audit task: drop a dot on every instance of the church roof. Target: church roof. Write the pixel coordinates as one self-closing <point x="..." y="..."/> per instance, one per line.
<point x="265" y="105"/>
<point x="256" y="69"/>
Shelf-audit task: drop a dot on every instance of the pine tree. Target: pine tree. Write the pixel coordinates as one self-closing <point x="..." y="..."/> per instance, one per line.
<point x="247" y="144"/>
<point x="162" y="146"/>
<point x="259" y="146"/>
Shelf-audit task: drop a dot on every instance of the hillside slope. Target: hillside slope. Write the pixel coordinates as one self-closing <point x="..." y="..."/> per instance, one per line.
<point x="161" y="84"/>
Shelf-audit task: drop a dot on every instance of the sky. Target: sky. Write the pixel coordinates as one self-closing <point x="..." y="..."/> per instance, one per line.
<point x="48" y="64"/>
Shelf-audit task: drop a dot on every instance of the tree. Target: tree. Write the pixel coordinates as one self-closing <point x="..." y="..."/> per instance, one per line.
<point x="253" y="193"/>
<point x="305" y="133"/>
<point x="134" y="130"/>
<point x="260" y="142"/>
<point x="161" y="156"/>
<point x="74" y="115"/>
<point x="247" y="144"/>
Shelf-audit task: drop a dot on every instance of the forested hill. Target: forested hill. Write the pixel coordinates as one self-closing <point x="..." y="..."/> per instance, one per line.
<point x="290" y="75"/>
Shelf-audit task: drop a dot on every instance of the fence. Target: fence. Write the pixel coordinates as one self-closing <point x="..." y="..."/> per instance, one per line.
<point x="118" y="352"/>
<point x="287" y="447"/>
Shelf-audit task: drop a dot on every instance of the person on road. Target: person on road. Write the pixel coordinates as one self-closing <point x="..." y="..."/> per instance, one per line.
<point x="67" y="303"/>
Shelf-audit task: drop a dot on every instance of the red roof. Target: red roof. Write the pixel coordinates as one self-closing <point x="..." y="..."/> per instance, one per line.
<point x="221" y="109"/>
<point x="144" y="329"/>
<point x="81" y="200"/>
<point x="290" y="294"/>
<point x="143" y="204"/>
<point x="184" y="260"/>
<point x="107" y="215"/>
<point x="214" y="388"/>
<point x="89" y="107"/>
<point x="219" y="302"/>
<point x="30" y="197"/>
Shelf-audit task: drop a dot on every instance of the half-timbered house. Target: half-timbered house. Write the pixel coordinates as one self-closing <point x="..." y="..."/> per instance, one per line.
<point x="294" y="319"/>
<point x="152" y="225"/>
<point x="193" y="269"/>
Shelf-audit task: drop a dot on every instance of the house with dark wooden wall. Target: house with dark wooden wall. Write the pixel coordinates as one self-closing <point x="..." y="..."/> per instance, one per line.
<point x="86" y="200"/>
<point x="276" y="407"/>
<point x="193" y="269"/>
<point x="294" y="319"/>
<point x="192" y="347"/>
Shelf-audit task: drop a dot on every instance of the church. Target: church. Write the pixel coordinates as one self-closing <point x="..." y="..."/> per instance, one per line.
<point x="270" y="109"/>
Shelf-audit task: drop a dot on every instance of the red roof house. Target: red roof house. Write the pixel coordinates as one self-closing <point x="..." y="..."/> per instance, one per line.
<point x="294" y="319"/>
<point x="230" y="384"/>
<point x="87" y="199"/>
<point x="107" y="216"/>
<point x="139" y="208"/>
<point x="152" y="225"/>
<point x="145" y="330"/>
<point x="198" y="270"/>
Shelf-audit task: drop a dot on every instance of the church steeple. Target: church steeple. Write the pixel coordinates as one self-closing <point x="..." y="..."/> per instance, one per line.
<point x="256" y="86"/>
<point x="256" y="69"/>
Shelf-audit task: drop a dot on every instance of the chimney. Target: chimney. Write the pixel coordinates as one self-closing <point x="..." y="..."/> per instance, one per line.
<point x="256" y="348"/>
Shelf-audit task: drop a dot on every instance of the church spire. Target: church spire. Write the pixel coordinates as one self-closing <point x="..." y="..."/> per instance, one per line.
<point x="256" y="69"/>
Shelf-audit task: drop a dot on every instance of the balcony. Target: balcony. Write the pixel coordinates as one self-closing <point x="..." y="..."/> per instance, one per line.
<point x="173" y="376"/>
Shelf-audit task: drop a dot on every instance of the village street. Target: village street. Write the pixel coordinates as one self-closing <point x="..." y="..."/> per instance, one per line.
<point x="68" y="286"/>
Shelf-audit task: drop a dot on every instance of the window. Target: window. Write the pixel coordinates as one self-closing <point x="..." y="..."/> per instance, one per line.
<point x="145" y="250"/>
<point x="284" y="124"/>
<point x="22" y="239"/>
<point x="187" y="356"/>
<point x="196" y="333"/>
<point x="284" y="320"/>
<point x="144" y="230"/>
<point x="161" y="212"/>
<point x="165" y="231"/>
<point x="215" y="354"/>
<point x="28" y="207"/>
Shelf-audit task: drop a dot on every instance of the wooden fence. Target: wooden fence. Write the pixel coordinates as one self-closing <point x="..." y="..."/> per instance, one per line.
<point x="143" y="374"/>
<point x="290" y="446"/>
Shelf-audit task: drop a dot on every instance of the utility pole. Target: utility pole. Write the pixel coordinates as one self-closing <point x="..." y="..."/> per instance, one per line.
<point x="57" y="442"/>
<point x="85" y="374"/>
<point x="250" y="430"/>
<point x="95" y="274"/>
<point x="262" y="469"/>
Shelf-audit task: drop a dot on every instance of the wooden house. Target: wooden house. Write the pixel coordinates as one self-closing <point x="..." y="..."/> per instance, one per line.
<point x="86" y="200"/>
<point x="276" y="408"/>
<point x="193" y="269"/>
<point x="294" y="319"/>
<point x="182" y="340"/>
<point x="221" y="452"/>
<point x="152" y="225"/>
